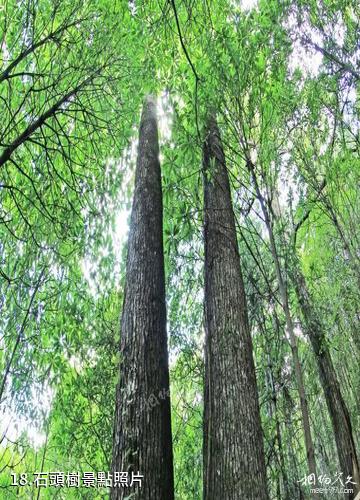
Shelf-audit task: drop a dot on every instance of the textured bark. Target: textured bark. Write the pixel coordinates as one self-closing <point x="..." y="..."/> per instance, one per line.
<point x="336" y="405"/>
<point x="234" y="466"/>
<point x="142" y="430"/>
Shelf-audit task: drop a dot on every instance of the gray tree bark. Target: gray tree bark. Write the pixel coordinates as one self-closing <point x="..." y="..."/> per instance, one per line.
<point x="234" y="466"/>
<point x="142" y="431"/>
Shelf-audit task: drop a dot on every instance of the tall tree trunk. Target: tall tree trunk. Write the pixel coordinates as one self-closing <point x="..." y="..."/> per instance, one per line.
<point x="142" y="431"/>
<point x="310" y="454"/>
<point x="234" y="466"/>
<point x="336" y="405"/>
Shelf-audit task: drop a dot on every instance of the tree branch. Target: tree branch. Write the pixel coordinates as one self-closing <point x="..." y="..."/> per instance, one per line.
<point x="5" y="156"/>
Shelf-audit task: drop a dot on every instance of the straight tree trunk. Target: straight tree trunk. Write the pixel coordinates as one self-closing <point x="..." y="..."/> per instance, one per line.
<point x="142" y="431"/>
<point x="336" y="405"/>
<point x="234" y="466"/>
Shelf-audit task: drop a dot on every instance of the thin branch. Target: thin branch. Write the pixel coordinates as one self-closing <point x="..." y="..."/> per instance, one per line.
<point x="42" y="119"/>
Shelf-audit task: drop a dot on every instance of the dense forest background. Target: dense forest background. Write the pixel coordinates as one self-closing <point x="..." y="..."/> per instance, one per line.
<point x="282" y="79"/>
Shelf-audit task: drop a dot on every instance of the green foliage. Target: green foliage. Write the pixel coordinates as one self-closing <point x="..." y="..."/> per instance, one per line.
<point x="72" y="78"/>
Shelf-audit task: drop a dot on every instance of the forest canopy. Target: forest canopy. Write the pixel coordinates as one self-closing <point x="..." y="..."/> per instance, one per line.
<point x="203" y="157"/>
